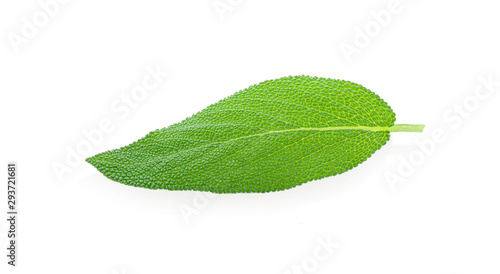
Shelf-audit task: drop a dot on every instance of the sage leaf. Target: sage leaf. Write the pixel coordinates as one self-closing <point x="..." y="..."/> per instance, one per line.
<point x="272" y="136"/>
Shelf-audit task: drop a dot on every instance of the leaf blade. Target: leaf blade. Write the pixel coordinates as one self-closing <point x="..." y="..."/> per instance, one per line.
<point x="271" y="136"/>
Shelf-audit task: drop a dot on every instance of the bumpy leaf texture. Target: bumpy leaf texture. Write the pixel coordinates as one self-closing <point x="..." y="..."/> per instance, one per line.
<point x="271" y="136"/>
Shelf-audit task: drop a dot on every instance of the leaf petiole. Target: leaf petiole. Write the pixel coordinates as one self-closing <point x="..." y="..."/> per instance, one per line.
<point x="406" y="128"/>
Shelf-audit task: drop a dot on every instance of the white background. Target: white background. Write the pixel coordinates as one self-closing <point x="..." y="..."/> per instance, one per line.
<point x="444" y="217"/>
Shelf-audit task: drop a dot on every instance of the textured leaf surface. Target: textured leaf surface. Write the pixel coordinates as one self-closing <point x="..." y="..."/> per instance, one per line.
<point x="271" y="136"/>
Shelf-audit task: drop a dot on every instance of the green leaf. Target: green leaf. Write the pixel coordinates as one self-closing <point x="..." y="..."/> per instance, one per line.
<point x="271" y="136"/>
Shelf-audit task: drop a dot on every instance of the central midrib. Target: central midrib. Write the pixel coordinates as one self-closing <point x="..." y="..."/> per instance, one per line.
<point x="367" y="128"/>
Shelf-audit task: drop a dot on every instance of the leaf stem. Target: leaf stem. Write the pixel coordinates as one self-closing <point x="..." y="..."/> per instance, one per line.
<point x="406" y="128"/>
